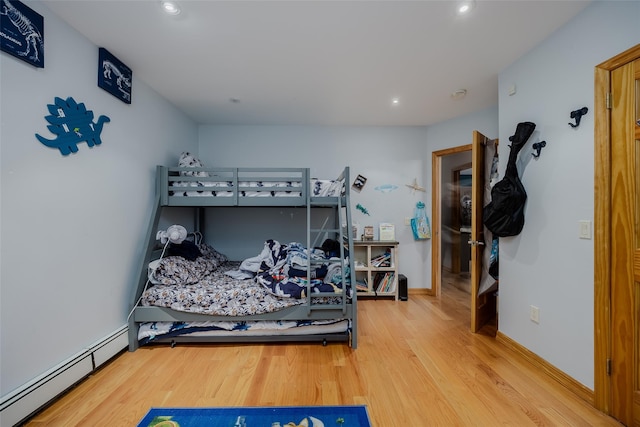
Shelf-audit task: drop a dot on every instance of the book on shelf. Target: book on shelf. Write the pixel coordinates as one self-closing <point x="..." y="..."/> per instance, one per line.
<point x="383" y="282"/>
<point x="391" y="283"/>
<point x="383" y="260"/>
<point x="361" y="286"/>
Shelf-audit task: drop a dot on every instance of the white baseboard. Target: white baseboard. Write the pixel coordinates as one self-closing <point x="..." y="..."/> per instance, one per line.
<point x="26" y="400"/>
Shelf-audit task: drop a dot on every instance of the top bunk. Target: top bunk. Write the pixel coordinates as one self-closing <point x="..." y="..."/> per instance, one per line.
<point x="227" y="186"/>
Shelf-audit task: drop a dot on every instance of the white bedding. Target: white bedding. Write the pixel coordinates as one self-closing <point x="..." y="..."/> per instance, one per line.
<point x="319" y="188"/>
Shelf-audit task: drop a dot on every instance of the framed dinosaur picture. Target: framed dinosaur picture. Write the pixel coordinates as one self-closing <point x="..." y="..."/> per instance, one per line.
<point x="22" y="32"/>
<point x="114" y="76"/>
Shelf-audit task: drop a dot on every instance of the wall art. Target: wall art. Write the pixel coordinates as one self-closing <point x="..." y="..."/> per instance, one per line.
<point x="22" y="32"/>
<point x="359" y="183"/>
<point x="72" y="123"/>
<point x="114" y="76"/>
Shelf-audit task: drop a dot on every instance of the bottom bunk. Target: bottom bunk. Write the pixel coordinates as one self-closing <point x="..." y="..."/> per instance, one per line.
<point x="261" y="299"/>
<point x="245" y="331"/>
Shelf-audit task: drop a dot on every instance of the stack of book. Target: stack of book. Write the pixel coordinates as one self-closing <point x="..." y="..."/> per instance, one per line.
<point x="383" y="260"/>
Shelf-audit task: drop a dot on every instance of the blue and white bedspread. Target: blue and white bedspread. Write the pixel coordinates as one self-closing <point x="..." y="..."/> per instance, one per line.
<point x="201" y="287"/>
<point x="282" y="270"/>
<point x="210" y="285"/>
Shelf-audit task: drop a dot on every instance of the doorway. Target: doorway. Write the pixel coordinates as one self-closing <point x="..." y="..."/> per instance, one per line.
<point x="617" y="237"/>
<point x="447" y="166"/>
<point x="459" y="252"/>
<point x="455" y="222"/>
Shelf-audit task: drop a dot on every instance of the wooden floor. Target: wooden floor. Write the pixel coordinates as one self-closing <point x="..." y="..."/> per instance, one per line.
<point x="416" y="364"/>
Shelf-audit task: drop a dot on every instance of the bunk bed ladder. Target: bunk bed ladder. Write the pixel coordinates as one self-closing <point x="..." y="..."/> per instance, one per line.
<point x="353" y="342"/>
<point x="343" y="231"/>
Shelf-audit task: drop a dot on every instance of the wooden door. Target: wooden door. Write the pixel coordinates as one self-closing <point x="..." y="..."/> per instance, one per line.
<point x="625" y="243"/>
<point x="483" y="307"/>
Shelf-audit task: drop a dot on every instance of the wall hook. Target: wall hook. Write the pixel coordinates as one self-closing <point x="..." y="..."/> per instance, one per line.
<point x="577" y="115"/>
<point x="538" y="146"/>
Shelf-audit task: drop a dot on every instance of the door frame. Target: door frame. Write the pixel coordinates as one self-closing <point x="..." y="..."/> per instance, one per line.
<point x="436" y="206"/>
<point x="602" y="228"/>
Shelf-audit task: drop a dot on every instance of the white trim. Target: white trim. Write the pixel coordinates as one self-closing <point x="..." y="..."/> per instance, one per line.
<point x="27" y="399"/>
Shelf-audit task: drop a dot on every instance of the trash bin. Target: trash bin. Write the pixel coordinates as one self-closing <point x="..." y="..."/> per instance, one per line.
<point x="402" y="287"/>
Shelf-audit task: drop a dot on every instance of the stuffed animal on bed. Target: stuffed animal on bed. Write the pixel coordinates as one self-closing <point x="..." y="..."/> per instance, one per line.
<point x="188" y="160"/>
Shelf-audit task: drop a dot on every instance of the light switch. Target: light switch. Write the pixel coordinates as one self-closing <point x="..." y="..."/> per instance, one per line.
<point x="584" y="229"/>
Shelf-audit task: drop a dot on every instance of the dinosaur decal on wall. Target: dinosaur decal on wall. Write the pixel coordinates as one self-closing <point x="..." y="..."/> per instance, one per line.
<point x="72" y="123"/>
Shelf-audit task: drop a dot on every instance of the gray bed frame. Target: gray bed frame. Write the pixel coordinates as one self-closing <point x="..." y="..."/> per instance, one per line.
<point x="170" y="187"/>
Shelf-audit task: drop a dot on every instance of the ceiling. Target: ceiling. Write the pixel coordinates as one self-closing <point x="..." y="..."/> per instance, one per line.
<point x="301" y="62"/>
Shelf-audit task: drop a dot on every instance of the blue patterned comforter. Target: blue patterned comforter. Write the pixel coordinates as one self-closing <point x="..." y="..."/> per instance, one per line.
<point x="283" y="271"/>
<point x="205" y="286"/>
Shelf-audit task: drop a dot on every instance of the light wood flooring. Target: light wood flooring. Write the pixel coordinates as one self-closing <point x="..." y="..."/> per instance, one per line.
<point x="416" y="364"/>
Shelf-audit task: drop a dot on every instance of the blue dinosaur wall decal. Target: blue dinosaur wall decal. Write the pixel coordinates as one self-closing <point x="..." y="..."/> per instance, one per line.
<point x="72" y="123"/>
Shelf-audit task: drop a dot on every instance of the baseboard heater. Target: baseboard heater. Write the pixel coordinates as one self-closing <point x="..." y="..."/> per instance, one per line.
<point x="23" y="402"/>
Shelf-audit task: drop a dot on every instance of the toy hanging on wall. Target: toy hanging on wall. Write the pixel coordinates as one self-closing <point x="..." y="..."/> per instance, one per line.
<point x="362" y="209"/>
<point x="386" y="188"/>
<point x="72" y="123"/>
<point x="415" y="187"/>
<point x="420" y="223"/>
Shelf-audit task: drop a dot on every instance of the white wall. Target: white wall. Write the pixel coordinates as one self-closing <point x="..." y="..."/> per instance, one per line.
<point x="384" y="155"/>
<point x="547" y="265"/>
<point x="72" y="227"/>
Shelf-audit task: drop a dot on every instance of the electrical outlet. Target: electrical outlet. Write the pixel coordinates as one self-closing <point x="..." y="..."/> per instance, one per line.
<point x="534" y="314"/>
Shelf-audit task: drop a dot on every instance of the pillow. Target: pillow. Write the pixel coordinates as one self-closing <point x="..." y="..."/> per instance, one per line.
<point x="176" y="270"/>
<point x="188" y="160"/>
<point x="209" y="252"/>
<point x="186" y="249"/>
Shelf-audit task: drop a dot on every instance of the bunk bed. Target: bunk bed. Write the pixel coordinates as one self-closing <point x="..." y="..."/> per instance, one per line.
<point x="239" y="306"/>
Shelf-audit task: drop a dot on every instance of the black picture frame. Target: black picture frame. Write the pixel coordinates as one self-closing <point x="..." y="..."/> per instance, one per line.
<point x="22" y="32"/>
<point x="114" y="76"/>
<point x="359" y="183"/>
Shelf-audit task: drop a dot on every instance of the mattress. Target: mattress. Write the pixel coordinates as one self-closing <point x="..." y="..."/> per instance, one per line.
<point x="155" y="330"/>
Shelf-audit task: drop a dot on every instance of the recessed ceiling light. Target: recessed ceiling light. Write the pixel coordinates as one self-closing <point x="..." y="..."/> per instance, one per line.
<point x="459" y="94"/>
<point x="395" y="101"/>
<point x="170" y="7"/>
<point x="465" y="7"/>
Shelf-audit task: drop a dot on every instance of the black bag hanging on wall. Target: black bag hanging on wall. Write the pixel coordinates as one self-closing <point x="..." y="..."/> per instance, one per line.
<point x="504" y="215"/>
